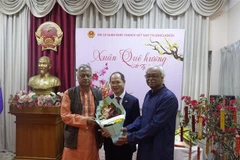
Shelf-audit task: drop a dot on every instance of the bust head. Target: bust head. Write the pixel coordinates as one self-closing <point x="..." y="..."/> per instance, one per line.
<point x="44" y="83"/>
<point x="44" y="65"/>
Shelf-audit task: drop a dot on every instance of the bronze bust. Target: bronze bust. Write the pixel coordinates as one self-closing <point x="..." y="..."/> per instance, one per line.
<point x="44" y="83"/>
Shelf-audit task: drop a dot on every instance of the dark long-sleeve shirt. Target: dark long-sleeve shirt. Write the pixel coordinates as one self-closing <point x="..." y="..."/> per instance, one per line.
<point x="155" y="129"/>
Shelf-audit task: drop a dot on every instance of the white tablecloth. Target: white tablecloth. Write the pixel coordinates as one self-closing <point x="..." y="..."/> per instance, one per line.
<point x="183" y="153"/>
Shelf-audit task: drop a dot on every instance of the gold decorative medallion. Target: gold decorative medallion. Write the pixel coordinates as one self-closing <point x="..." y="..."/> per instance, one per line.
<point x="91" y="34"/>
<point x="49" y="35"/>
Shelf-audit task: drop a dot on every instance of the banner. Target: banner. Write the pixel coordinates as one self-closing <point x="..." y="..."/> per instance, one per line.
<point x="132" y="51"/>
<point x="1" y="99"/>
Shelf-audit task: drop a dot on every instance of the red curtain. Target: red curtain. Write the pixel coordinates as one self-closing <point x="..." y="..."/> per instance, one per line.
<point x="63" y="61"/>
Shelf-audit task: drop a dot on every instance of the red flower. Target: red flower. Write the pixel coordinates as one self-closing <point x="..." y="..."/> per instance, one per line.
<point x="214" y="151"/>
<point x="212" y="99"/>
<point x="95" y="77"/>
<point x="194" y="104"/>
<point x="102" y="81"/>
<point x="188" y="98"/>
<point x="231" y="108"/>
<point x="16" y="98"/>
<point x="232" y="101"/>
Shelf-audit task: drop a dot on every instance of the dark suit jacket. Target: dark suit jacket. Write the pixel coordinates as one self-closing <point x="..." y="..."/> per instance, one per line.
<point x="131" y="106"/>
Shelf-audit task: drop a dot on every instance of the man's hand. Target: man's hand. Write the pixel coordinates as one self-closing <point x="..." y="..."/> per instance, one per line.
<point x="104" y="133"/>
<point x="122" y="140"/>
<point x="91" y="121"/>
<point x="124" y="130"/>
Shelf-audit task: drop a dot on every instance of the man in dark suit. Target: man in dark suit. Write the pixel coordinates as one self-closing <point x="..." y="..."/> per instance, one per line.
<point x="131" y="106"/>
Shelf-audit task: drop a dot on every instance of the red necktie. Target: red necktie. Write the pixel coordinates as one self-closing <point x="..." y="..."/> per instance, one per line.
<point x="118" y="99"/>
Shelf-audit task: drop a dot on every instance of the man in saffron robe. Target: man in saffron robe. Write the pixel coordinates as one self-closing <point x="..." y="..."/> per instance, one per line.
<point x="154" y="131"/>
<point x="81" y="137"/>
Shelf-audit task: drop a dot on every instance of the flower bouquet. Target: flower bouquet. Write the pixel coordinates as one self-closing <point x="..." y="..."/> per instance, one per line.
<point x="110" y="116"/>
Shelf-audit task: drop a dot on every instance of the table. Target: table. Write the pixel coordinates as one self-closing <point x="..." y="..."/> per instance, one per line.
<point x="183" y="153"/>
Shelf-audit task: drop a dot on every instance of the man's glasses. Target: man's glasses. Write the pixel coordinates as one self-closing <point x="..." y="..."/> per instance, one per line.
<point x="147" y="76"/>
<point x="85" y="75"/>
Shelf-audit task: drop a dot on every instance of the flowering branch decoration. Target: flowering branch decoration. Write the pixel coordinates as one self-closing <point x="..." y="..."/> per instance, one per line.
<point x="31" y="99"/>
<point x="169" y="49"/>
<point x="214" y="120"/>
<point x="100" y="83"/>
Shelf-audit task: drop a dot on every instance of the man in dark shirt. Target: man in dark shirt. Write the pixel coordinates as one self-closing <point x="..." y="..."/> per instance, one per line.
<point x="154" y="131"/>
